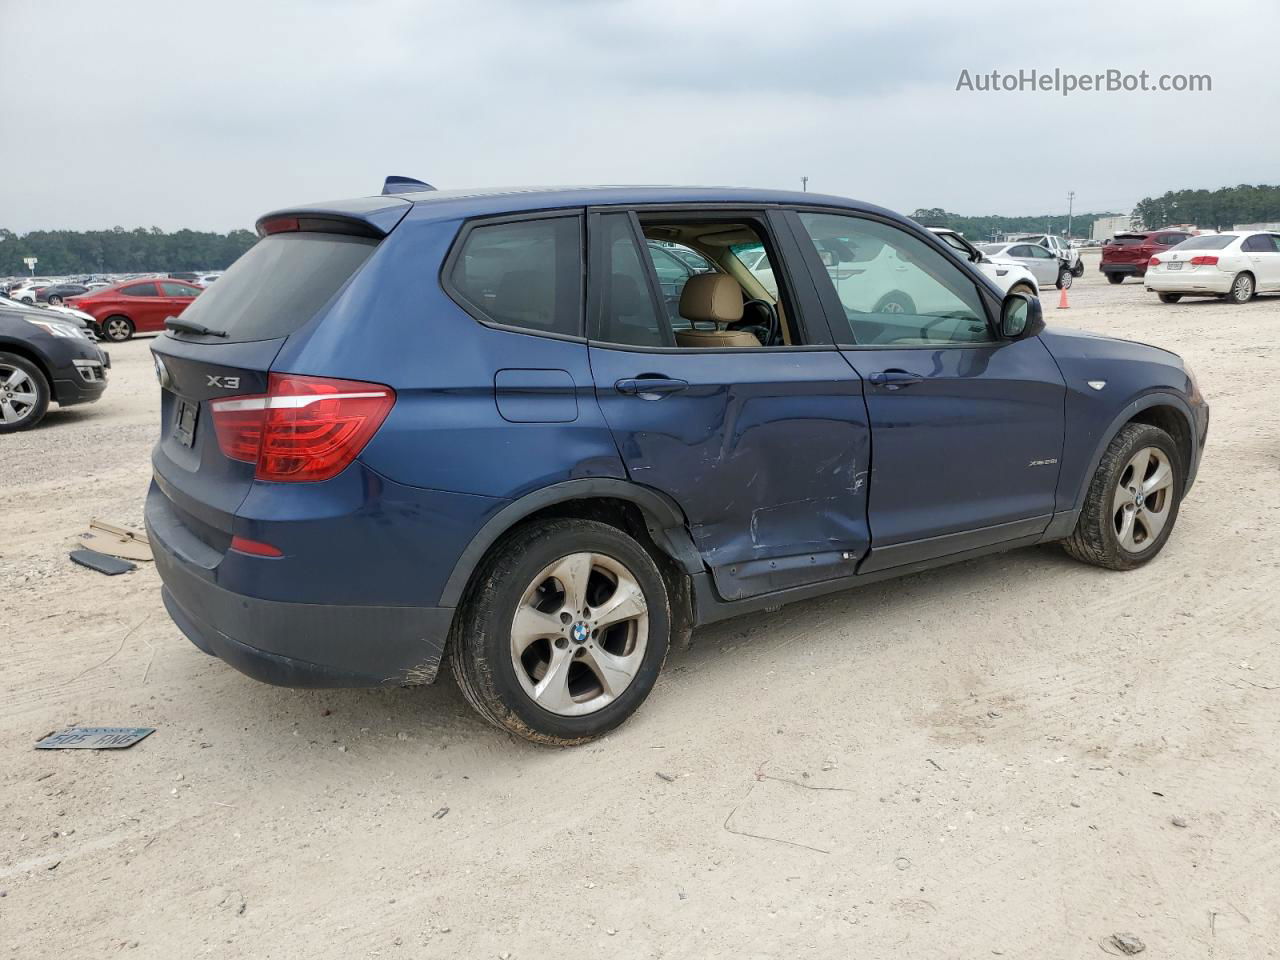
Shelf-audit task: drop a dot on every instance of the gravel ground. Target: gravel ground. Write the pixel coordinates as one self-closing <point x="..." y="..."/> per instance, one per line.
<point x="1018" y="756"/>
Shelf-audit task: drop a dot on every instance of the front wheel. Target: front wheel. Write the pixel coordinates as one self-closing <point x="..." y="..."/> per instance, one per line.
<point x="1170" y="297"/>
<point x="24" y="393"/>
<point x="1023" y="288"/>
<point x="1064" y="278"/>
<point x="117" y="329"/>
<point x="1132" y="502"/>
<point x="563" y="634"/>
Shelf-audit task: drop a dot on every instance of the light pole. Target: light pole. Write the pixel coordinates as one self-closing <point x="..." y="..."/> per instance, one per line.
<point x="1071" y="203"/>
<point x="804" y="184"/>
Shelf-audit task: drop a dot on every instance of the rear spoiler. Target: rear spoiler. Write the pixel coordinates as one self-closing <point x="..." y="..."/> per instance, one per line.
<point x="372" y="217"/>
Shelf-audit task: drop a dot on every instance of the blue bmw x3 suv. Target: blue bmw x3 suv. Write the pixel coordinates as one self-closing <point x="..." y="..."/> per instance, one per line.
<point x="499" y="426"/>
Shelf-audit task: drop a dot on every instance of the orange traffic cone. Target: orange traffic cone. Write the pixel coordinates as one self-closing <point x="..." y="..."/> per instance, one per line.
<point x="1062" y="300"/>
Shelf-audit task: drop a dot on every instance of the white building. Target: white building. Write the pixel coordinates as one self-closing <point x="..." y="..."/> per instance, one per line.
<point x="1104" y="228"/>
<point x="1271" y="226"/>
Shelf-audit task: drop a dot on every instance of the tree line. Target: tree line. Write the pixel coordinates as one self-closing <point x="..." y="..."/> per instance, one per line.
<point x="1212" y="209"/>
<point x="978" y="229"/>
<point x="71" y="252"/>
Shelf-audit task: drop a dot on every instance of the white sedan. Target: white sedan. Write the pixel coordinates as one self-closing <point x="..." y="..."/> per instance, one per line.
<point x="1235" y="265"/>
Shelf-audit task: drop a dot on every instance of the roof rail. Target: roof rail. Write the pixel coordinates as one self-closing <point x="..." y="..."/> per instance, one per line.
<point x="396" y="185"/>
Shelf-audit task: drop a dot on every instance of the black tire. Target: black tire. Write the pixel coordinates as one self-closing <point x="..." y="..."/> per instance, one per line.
<point x="35" y="412"/>
<point x="1115" y="278"/>
<point x="1064" y="278"/>
<point x="1170" y="297"/>
<point x="55" y="301"/>
<point x="895" y="302"/>
<point x="117" y="329"/>
<point x="480" y="645"/>
<point x="1095" y="540"/>
<point x="1243" y="288"/>
<point x="1078" y="270"/>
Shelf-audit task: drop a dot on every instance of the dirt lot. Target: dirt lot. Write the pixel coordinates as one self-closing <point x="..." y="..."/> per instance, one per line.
<point x="1018" y="756"/>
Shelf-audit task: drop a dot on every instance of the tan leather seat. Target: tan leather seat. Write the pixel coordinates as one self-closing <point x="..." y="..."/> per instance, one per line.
<point x="714" y="298"/>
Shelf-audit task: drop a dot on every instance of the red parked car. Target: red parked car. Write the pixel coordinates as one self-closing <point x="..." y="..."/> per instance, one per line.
<point x="135" y="306"/>
<point x="1127" y="254"/>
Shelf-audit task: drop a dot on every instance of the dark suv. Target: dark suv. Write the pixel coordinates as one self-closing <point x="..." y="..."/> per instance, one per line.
<point x="1127" y="254"/>
<point x="45" y="357"/>
<point x="432" y="424"/>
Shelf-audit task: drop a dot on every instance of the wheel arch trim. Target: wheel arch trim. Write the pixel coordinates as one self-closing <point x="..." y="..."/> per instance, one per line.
<point x="1131" y="410"/>
<point x="663" y="517"/>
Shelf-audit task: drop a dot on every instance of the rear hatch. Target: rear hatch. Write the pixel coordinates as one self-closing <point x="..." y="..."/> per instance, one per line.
<point x="1126" y="248"/>
<point x="270" y="293"/>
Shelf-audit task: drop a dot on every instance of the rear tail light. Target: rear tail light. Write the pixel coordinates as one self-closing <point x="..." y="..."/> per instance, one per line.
<point x="1154" y="261"/>
<point x="255" y="548"/>
<point x="1205" y="261"/>
<point x="303" y="429"/>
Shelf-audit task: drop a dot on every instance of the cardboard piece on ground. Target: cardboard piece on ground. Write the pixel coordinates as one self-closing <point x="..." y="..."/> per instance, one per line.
<point x="101" y="562"/>
<point x="95" y="738"/>
<point x="115" y="541"/>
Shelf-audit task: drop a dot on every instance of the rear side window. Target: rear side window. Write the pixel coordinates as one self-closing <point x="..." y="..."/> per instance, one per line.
<point x="526" y="274"/>
<point x="280" y="284"/>
<point x="139" y="290"/>
<point x="172" y="289"/>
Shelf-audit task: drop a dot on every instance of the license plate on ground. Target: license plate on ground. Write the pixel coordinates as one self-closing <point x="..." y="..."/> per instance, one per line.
<point x="1176" y="265"/>
<point x="95" y="738"/>
<point x="184" y="423"/>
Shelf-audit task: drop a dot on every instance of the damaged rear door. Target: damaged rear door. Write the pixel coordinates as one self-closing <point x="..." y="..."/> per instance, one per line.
<point x="766" y="449"/>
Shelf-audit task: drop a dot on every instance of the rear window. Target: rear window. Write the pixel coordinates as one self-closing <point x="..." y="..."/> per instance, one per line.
<point x="279" y="285"/>
<point x="1219" y="241"/>
<point x="1128" y="239"/>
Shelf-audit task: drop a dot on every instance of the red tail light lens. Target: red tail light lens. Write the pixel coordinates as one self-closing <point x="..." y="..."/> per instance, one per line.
<point x="304" y="429"/>
<point x="255" y="548"/>
<point x="278" y="225"/>
<point x="1206" y="261"/>
<point x="1154" y="261"/>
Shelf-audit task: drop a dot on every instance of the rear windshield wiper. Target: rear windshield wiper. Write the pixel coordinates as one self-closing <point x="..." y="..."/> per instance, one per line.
<point x="179" y="325"/>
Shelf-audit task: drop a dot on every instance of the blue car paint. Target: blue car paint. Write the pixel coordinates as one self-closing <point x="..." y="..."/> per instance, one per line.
<point x="788" y="479"/>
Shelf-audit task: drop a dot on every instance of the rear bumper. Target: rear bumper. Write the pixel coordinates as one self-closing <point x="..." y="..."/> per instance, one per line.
<point x="1210" y="281"/>
<point x="294" y="644"/>
<point x="1124" y="269"/>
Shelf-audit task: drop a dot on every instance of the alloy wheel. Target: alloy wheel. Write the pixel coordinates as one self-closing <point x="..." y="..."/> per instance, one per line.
<point x="579" y="634"/>
<point x="18" y="395"/>
<point x="1143" y="496"/>
<point x="1243" y="288"/>
<point x="117" y="329"/>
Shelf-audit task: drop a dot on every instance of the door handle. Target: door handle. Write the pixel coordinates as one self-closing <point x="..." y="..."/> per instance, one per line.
<point x="894" y="378"/>
<point x="650" y="388"/>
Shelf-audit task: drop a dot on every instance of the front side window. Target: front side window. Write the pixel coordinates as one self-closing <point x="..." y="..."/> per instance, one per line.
<point x="525" y="273"/>
<point x="139" y="290"/>
<point x="893" y="287"/>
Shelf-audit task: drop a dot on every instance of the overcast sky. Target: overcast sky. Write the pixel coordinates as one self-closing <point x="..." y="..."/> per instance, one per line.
<point x="206" y="115"/>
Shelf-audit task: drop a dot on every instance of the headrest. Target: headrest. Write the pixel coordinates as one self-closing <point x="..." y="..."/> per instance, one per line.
<point x="711" y="296"/>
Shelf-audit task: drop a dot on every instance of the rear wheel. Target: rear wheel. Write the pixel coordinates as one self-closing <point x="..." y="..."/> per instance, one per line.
<point x="562" y="636"/>
<point x="24" y="393"/>
<point x="1078" y="270"/>
<point x="1115" y="278"/>
<point x="1170" y="297"/>
<point x="117" y="329"/>
<point x="1132" y="502"/>
<point x="895" y="302"/>
<point x="55" y="301"/>
<point x="1242" y="288"/>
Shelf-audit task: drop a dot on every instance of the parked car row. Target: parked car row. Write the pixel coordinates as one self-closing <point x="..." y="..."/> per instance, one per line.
<point x="46" y="357"/>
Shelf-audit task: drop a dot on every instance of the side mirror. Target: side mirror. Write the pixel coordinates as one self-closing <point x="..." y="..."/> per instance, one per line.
<point x="1020" y="317"/>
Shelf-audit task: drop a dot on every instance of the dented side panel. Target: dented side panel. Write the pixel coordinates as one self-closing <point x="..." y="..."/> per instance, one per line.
<point x="766" y="452"/>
